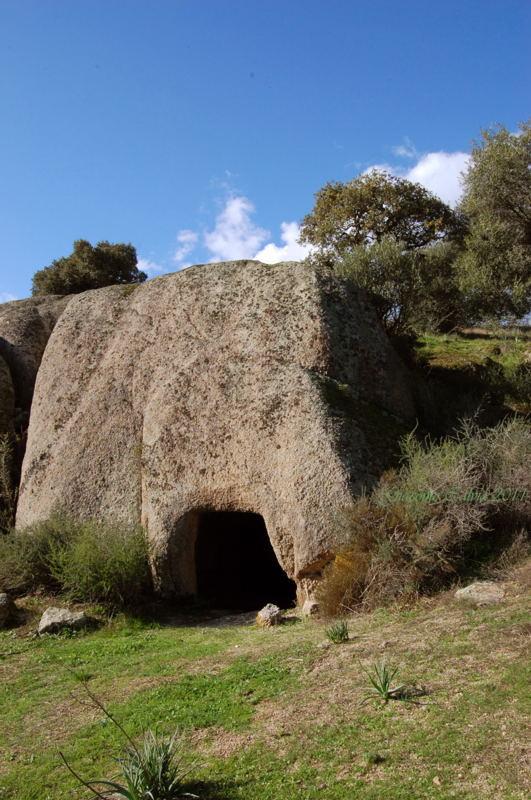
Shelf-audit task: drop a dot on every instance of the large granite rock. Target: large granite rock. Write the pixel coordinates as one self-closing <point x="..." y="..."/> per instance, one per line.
<point x="237" y="386"/>
<point x="25" y="327"/>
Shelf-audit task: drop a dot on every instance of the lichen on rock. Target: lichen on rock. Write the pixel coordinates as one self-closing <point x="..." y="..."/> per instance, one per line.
<point x="203" y="390"/>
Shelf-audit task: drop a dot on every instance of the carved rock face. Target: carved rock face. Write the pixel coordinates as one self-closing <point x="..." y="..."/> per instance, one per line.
<point x="226" y="387"/>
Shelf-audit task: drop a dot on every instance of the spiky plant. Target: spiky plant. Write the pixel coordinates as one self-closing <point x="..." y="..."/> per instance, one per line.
<point x="381" y="678"/>
<point x="338" y="632"/>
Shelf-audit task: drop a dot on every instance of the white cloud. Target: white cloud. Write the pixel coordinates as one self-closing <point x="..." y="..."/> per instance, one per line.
<point x="439" y="172"/>
<point x="187" y="240"/>
<point x="6" y="297"/>
<point x="235" y="234"/>
<point x="145" y="265"/>
<point x="406" y="150"/>
<point x="291" y="250"/>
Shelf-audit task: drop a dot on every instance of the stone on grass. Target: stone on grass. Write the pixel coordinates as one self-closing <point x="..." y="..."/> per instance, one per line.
<point x="269" y="615"/>
<point x="7" y="609"/>
<point x="481" y="593"/>
<point x="56" y="619"/>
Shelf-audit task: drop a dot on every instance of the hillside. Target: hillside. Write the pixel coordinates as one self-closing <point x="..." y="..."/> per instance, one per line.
<point x="280" y="713"/>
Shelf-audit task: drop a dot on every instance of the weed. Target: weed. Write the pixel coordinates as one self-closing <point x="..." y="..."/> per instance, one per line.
<point x="338" y="632"/>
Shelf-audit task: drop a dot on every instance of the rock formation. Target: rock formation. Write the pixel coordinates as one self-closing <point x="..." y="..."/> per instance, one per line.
<point x="25" y="327"/>
<point x="226" y="387"/>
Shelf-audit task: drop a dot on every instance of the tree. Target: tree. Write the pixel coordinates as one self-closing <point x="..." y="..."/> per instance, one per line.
<point x="373" y="206"/>
<point x="89" y="267"/>
<point x="495" y="266"/>
<point x="409" y="288"/>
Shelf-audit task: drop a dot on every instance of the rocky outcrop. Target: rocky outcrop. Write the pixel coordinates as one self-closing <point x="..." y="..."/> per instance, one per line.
<point x="25" y="327"/>
<point x="226" y="387"/>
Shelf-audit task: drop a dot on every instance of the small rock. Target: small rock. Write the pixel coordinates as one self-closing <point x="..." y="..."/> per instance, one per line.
<point x="55" y="619"/>
<point x="309" y="608"/>
<point x="269" y="615"/>
<point x="481" y="593"/>
<point x="8" y="609"/>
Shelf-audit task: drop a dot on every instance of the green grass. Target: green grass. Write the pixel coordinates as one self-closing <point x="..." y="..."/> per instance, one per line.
<point x="276" y="712"/>
<point x="496" y="361"/>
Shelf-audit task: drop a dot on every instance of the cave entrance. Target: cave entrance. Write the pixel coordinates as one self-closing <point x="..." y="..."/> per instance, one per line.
<point x="236" y="565"/>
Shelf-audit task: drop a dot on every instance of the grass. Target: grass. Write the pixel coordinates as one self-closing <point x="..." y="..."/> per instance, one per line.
<point x="274" y="713"/>
<point x="496" y="362"/>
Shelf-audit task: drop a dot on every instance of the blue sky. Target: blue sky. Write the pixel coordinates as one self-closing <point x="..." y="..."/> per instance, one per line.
<point x="199" y="130"/>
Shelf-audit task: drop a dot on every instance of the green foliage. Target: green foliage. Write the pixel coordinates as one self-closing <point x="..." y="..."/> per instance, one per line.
<point x="372" y="207"/>
<point x="25" y="554"/>
<point x="154" y="770"/>
<point x="454" y="508"/>
<point x="338" y="632"/>
<point x="495" y="266"/>
<point x="89" y="267"/>
<point x="89" y="561"/>
<point x="381" y="678"/>
<point x="409" y="288"/>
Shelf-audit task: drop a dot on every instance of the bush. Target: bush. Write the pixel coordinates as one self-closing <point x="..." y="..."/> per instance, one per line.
<point x="451" y="509"/>
<point x="89" y="267"/>
<point x="89" y="561"/>
<point x="25" y="555"/>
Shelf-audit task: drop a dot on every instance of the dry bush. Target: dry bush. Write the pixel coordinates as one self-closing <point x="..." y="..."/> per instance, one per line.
<point x="440" y="516"/>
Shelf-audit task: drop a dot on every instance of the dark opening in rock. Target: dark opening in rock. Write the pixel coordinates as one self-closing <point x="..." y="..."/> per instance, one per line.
<point x="236" y="565"/>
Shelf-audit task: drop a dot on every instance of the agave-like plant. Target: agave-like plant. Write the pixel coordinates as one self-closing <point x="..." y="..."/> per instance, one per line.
<point x="155" y="769"/>
<point x="381" y="678"/>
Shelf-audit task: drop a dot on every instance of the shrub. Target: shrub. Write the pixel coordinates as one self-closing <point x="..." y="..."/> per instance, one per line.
<point x="90" y="561"/>
<point x="89" y="267"/>
<point x="443" y="514"/>
<point x="381" y="678"/>
<point x="103" y="563"/>
<point x="25" y="554"/>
